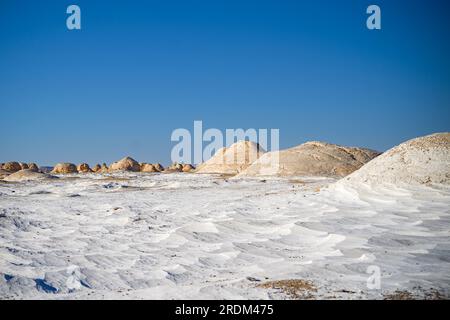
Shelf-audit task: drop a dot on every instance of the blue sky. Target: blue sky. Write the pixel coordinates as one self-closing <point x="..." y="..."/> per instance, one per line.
<point x="139" y="69"/>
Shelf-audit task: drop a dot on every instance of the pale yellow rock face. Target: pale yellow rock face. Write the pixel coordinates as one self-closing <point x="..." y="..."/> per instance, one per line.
<point x="126" y="164"/>
<point x="147" y="167"/>
<point x="311" y="159"/>
<point x="232" y="160"/>
<point x="421" y="161"/>
<point x="27" y="175"/>
<point x="12" y="166"/>
<point x="64" y="168"/>
<point x="83" y="168"/>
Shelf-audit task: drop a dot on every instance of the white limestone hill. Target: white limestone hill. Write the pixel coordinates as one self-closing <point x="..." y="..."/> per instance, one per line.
<point x="311" y="159"/>
<point x="232" y="160"/>
<point x="420" y="161"/>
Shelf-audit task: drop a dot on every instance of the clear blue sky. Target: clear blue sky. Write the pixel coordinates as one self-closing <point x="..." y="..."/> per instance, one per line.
<point x="139" y="69"/>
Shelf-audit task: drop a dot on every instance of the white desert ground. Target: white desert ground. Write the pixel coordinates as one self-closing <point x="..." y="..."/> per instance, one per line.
<point x="137" y="235"/>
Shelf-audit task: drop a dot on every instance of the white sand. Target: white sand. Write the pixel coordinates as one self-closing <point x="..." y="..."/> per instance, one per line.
<point x="197" y="236"/>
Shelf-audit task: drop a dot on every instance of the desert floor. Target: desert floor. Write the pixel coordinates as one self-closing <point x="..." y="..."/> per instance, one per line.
<point x="165" y="236"/>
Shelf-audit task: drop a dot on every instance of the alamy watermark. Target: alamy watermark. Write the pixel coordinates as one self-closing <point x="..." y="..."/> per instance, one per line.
<point x="374" y="20"/>
<point x="198" y="145"/>
<point x="374" y="280"/>
<point x="73" y="22"/>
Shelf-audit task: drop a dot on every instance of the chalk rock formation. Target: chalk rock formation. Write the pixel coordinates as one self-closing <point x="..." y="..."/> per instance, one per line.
<point x="96" y="168"/>
<point x="83" y="168"/>
<point x="311" y="159"/>
<point x="233" y="159"/>
<point x="33" y="167"/>
<point x="421" y="161"/>
<point x="174" y="167"/>
<point x="188" y="168"/>
<point x="23" y="165"/>
<point x="64" y="168"/>
<point x="147" y="167"/>
<point x="126" y="164"/>
<point x="158" y="167"/>
<point x="12" y="166"/>
<point x="104" y="168"/>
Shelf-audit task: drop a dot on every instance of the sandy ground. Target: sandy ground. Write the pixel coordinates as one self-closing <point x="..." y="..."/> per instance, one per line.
<point x="171" y="236"/>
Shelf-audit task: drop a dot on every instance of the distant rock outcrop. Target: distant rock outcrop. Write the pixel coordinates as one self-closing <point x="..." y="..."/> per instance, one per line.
<point x="64" y="168"/>
<point x="103" y="169"/>
<point x="188" y="168"/>
<point x="23" y="165"/>
<point x="311" y="159"/>
<point x="83" y="168"/>
<point x="174" y="167"/>
<point x="96" y="168"/>
<point x="33" y="167"/>
<point x="12" y="166"/>
<point x="27" y="175"/>
<point x="125" y="164"/>
<point x="421" y="161"/>
<point x="158" y="167"/>
<point x="233" y="159"/>
<point x="147" y="167"/>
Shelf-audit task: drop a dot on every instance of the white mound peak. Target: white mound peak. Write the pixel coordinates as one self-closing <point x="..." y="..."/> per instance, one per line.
<point x="233" y="159"/>
<point x="125" y="164"/>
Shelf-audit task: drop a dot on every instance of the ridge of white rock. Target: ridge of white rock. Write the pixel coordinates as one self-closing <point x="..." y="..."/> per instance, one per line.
<point x="312" y="158"/>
